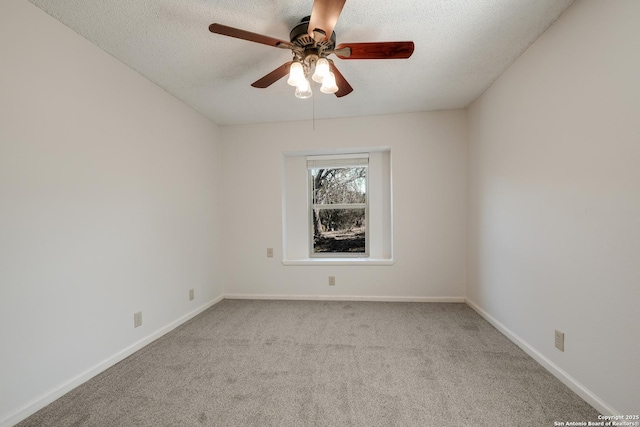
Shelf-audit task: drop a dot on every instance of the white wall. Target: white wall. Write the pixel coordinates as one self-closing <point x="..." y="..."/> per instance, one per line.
<point x="555" y="200"/>
<point x="109" y="205"/>
<point x="429" y="191"/>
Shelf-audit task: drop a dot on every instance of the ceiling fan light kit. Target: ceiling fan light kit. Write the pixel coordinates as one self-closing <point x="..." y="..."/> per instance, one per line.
<point x="322" y="70"/>
<point x="296" y="74"/>
<point x="311" y="41"/>
<point x="329" y="84"/>
<point x="303" y="90"/>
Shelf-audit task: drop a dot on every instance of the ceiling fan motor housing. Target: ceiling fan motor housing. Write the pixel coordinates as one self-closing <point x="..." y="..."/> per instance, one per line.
<point x="300" y="36"/>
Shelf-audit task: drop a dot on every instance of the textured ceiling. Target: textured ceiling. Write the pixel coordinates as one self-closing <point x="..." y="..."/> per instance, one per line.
<point x="461" y="47"/>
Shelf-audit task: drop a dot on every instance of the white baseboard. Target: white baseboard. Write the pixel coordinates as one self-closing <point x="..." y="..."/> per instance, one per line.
<point x="554" y="369"/>
<point x="344" y="298"/>
<point x="48" y="397"/>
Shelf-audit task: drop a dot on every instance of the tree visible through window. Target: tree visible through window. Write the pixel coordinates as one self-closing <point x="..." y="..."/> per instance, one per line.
<point x="339" y="209"/>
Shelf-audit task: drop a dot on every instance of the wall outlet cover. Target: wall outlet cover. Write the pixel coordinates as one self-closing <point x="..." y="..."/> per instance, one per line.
<point x="559" y="340"/>
<point x="137" y="319"/>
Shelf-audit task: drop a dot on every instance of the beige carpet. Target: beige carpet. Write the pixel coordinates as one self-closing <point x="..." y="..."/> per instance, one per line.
<point x="316" y="363"/>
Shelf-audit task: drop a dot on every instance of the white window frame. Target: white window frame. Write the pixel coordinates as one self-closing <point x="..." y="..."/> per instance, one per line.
<point x="336" y="161"/>
<point x="295" y="208"/>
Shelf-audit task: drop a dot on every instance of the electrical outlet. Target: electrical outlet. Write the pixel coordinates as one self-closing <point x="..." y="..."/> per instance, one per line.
<point x="137" y="319"/>
<point x="191" y="294"/>
<point x="269" y="252"/>
<point x="559" y="340"/>
<point x="332" y="280"/>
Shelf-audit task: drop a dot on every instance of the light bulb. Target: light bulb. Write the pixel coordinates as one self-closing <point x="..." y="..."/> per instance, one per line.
<point x="322" y="70"/>
<point x="296" y="74"/>
<point x="303" y="90"/>
<point x="329" y="84"/>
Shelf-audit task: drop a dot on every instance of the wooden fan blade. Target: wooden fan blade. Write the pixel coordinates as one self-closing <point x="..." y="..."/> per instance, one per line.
<point x="344" y="88"/>
<point x="247" y="35"/>
<point x="375" y="50"/>
<point x="324" y="16"/>
<point x="273" y="76"/>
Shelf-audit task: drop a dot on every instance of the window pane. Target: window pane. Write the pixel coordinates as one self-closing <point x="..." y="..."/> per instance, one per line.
<point x="339" y="230"/>
<point x="339" y="185"/>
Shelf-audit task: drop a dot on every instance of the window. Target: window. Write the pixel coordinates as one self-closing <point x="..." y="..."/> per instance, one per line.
<point x="338" y="205"/>
<point x="350" y="206"/>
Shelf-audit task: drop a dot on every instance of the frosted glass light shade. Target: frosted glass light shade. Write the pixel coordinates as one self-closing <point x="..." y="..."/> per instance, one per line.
<point x="322" y="70"/>
<point x="303" y="90"/>
<point x="329" y="84"/>
<point x="296" y="74"/>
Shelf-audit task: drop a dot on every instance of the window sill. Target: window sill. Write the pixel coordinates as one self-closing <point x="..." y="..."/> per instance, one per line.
<point x="339" y="261"/>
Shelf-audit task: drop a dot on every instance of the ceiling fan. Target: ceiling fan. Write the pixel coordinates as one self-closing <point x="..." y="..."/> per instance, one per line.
<point x="312" y="40"/>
